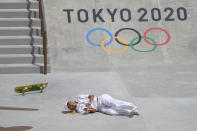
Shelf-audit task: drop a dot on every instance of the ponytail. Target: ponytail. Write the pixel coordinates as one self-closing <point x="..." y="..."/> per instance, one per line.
<point x="73" y="112"/>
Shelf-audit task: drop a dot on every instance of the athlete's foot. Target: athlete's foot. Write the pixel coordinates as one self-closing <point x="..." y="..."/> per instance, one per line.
<point x="134" y="108"/>
<point x="135" y="112"/>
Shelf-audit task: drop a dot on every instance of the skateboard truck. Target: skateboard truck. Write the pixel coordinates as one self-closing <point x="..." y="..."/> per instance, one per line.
<point x="42" y="88"/>
<point x="24" y="90"/>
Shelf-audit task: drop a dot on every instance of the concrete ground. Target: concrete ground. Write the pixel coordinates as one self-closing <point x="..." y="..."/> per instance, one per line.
<point x="166" y="98"/>
<point x="163" y="83"/>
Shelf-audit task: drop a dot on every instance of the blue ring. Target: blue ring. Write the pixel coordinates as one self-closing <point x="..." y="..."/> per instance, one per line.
<point x="89" y="32"/>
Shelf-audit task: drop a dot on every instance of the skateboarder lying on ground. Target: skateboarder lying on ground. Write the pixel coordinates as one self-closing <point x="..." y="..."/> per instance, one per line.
<point x="85" y="104"/>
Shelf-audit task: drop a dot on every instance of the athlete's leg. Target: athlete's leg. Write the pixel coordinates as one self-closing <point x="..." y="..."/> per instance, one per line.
<point x="123" y="104"/>
<point x="107" y="100"/>
<point x="111" y="111"/>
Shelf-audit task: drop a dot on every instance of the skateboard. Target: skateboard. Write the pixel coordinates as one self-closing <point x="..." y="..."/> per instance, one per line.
<point x="28" y="88"/>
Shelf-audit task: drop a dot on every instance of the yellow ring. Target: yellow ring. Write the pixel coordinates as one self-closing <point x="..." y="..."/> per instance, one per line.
<point x="120" y="51"/>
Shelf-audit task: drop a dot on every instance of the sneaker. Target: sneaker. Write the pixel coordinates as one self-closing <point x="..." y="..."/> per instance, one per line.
<point x="134" y="108"/>
<point x="135" y="112"/>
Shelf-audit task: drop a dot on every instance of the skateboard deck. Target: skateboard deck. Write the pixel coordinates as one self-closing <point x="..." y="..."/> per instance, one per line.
<point x="28" y="88"/>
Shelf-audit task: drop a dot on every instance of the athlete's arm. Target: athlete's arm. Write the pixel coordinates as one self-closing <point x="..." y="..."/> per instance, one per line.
<point x="90" y="110"/>
<point x="91" y="97"/>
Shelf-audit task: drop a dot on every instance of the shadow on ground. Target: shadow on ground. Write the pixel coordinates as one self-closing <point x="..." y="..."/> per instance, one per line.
<point x="16" y="128"/>
<point x="18" y="109"/>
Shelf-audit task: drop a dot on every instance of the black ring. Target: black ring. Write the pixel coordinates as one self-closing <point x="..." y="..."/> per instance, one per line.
<point x="140" y="37"/>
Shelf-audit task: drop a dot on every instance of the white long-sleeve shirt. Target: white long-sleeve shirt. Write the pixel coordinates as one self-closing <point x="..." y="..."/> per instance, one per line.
<point x="82" y="100"/>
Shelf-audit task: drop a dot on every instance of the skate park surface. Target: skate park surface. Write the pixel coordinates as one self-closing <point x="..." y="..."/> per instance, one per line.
<point x="162" y="83"/>
<point x="167" y="101"/>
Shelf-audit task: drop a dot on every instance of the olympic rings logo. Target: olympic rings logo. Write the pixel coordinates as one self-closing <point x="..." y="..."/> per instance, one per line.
<point x="123" y="42"/>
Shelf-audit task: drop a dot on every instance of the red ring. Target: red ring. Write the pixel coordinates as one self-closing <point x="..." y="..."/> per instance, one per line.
<point x="145" y="33"/>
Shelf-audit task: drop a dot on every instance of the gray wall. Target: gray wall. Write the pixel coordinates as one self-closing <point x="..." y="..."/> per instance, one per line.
<point x="70" y="51"/>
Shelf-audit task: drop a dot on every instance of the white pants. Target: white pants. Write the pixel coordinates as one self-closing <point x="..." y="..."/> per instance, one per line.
<point x="111" y="106"/>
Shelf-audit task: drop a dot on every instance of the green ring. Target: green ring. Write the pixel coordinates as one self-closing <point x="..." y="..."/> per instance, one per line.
<point x="154" y="48"/>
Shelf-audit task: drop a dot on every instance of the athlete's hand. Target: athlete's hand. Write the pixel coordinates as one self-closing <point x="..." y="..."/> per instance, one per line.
<point x="86" y="109"/>
<point x="87" y="104"/>
<point x="90" y="110"/>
